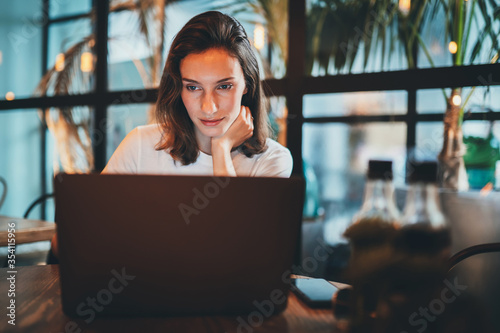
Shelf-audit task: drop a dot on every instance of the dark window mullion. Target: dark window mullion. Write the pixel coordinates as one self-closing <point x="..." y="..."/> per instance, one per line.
<point x="68" y="18"/>
<point x="413" y="79"/>
<point x="295" y="75"/>
<point x="411" y="122"/>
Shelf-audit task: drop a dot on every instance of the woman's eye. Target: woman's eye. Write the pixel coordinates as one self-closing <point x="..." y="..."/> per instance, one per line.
<point x="191" y="88"/>
<point x="225" y="86"/>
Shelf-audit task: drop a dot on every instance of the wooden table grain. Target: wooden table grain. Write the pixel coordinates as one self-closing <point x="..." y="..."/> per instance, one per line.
<point x="26" y="231"/>
<point x="38" y="309"/>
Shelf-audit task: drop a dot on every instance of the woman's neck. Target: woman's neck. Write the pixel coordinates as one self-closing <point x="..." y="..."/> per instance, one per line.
<point x="204" y="144"/>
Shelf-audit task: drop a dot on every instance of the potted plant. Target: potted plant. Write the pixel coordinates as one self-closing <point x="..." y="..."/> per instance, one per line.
<point x="460" y="17"/>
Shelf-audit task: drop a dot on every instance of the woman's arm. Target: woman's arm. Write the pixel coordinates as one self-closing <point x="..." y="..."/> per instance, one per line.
<point x="239" y="132"/>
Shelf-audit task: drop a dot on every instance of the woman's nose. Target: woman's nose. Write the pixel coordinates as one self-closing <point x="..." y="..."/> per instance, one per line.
<point x="208" y="104"/>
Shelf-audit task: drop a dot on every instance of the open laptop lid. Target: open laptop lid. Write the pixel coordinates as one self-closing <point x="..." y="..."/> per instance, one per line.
<point x="175" y="245"/>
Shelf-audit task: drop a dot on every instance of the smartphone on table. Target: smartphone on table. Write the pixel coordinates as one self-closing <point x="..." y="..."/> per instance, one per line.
<point x="316" y="293"/>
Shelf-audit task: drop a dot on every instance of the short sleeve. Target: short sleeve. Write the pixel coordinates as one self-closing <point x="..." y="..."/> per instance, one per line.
<point x="126" y="156"/>
<point x="276" y="162"/>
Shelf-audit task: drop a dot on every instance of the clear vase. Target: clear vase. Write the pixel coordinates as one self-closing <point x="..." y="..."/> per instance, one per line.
<point x="452" y="173"/>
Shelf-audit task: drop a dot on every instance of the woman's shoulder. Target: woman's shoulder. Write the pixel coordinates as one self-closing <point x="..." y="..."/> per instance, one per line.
<point x="148" y="131"/>
<point x="142" y="139"/>
<point x="145" y="135"/>
<point x="275" y="161"/>
<point x="274" y="147"/>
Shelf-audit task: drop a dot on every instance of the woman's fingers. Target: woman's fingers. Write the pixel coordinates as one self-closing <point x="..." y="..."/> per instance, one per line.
<point x="240" y="130"/>
<point x="243" y="126"/>
<point x="249" y="122"/>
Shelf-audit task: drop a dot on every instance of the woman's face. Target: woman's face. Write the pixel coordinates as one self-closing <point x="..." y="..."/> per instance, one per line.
<point x="213" y="85"/>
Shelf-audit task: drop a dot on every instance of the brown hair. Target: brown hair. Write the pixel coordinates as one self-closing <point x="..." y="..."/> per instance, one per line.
<point x="203" y="32"/>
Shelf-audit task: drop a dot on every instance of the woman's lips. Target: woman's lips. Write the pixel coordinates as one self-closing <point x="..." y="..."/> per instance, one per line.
<point x="214" y="122"/>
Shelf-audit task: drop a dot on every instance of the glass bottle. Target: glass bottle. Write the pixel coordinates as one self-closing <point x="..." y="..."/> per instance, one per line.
<point x="371" y="237"/>
<point x="424" y="231"/>
<point x="421" y="250"/>
<point x="373" y="226"/>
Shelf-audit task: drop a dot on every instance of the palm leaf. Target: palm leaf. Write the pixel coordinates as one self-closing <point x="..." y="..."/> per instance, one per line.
<point x="472" y="18"/>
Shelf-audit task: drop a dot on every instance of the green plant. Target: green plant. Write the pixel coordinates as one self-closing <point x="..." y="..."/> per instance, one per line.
<point x="461" y="17"/>
<point x="339" y="31"/>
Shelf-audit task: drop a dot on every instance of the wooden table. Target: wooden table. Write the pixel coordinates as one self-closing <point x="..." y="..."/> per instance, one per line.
<point x="27" y="231"/>
<point x="38" y="309"/>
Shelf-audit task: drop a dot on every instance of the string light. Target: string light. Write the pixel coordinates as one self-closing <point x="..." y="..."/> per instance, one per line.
<point x="456" y="100"/>
<point x="259" y="36"/>
<point x="452" y="47"/>
<point x="59" y="62"/>
<point x="10" y="96"/>
<point x="404" y="6"/>
<point x="86" y="62"/>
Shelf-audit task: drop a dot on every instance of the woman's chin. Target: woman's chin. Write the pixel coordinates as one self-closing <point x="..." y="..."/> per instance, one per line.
<point x="213" y="132"/>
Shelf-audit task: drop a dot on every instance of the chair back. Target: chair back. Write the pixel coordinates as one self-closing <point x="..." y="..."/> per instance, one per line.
<point x="475" y="280"/>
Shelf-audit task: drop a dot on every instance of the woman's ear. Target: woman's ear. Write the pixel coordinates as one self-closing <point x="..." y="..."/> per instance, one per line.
<point x="245" y="91"/>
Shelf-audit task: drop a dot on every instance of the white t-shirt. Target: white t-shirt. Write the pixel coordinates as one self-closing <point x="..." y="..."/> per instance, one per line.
<point x="136" y="154"/>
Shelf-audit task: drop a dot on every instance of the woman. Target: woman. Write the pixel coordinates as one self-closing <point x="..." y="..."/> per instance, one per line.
<point x="211" y="118"/>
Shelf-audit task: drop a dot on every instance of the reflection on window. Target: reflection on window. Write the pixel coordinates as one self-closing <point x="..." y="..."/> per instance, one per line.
<point x="355" y="103"/>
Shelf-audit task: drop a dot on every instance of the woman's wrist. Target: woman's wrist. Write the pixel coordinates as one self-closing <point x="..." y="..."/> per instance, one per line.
<point x="220" y="146"/>
<point x="222" y="162"/>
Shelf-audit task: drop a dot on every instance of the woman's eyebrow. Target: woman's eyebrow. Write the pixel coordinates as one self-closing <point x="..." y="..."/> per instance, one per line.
<point x="189" y="80"/>
<point x="221" y="80"/>
<point x="226" y="79"/>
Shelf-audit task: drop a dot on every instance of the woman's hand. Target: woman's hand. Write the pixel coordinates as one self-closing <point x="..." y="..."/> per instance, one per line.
<point x="239" y="131"/>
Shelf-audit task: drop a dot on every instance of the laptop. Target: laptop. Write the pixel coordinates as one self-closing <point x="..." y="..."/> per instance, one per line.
<point x="149" y="245"/>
